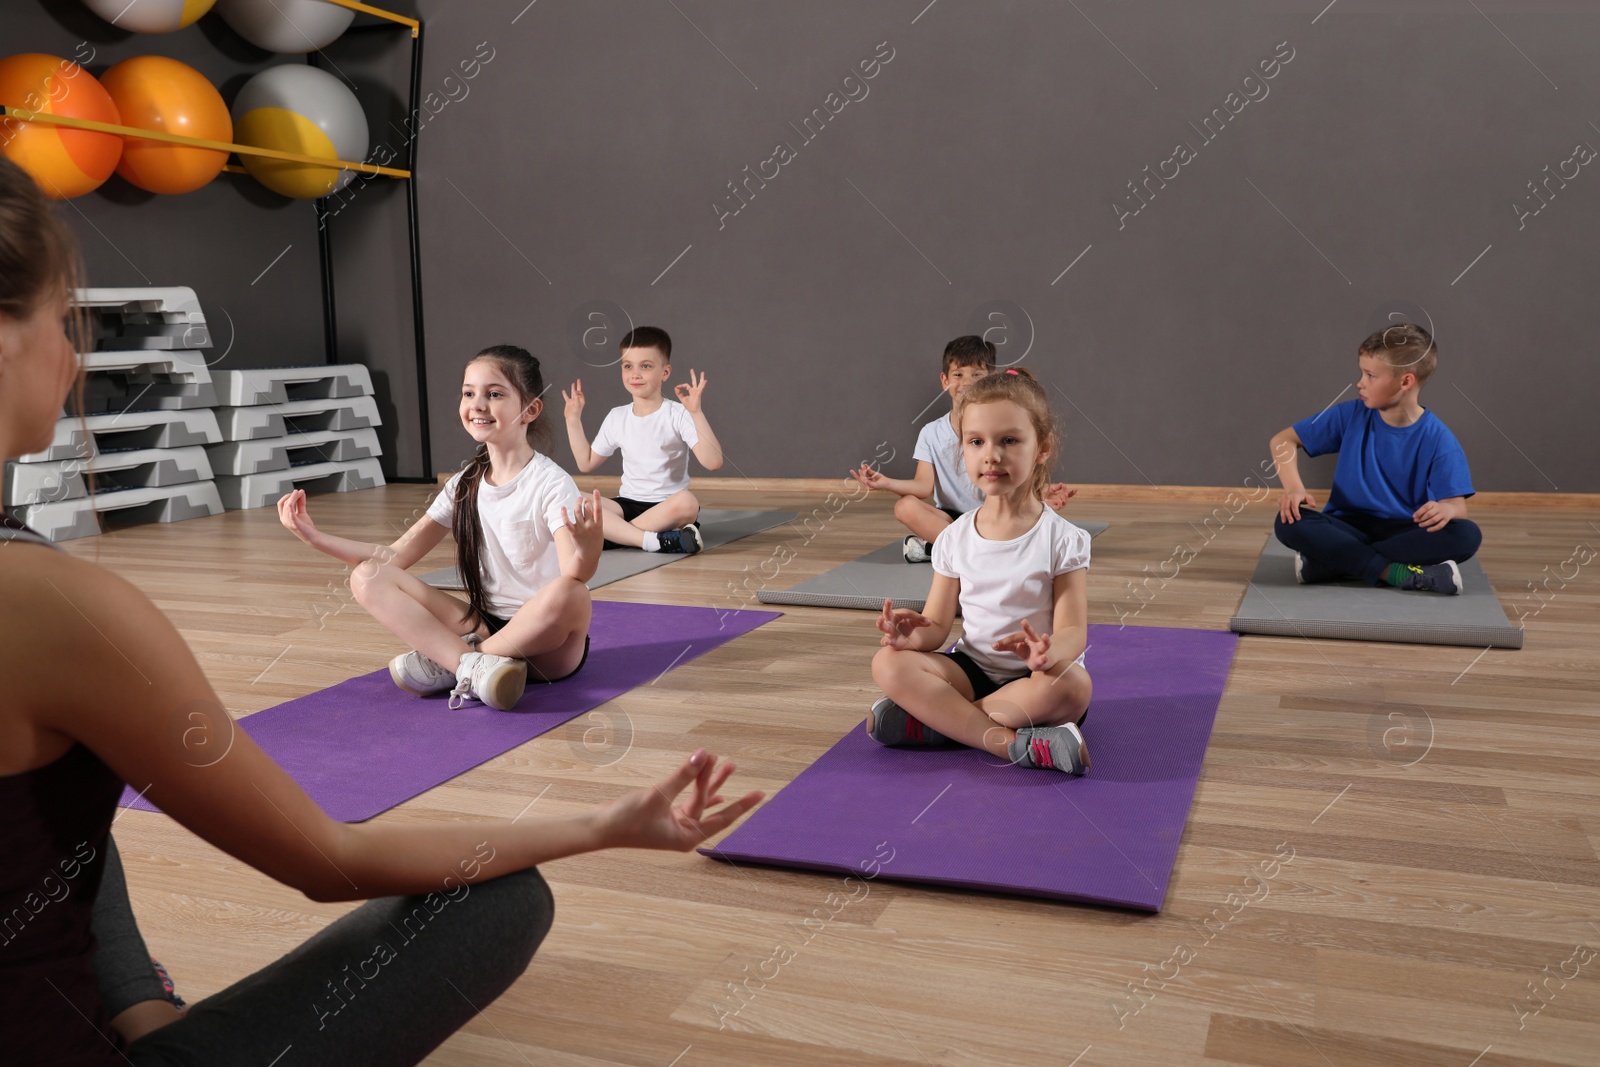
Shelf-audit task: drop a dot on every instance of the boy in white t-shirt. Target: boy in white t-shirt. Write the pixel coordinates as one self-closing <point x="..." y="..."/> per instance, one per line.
<point x="941" y="471"/>
<point x="654" y="510"/>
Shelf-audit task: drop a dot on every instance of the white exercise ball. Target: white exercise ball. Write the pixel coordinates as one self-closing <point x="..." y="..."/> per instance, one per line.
<point x="298" y="108"/>
<point x="292" y="26"/>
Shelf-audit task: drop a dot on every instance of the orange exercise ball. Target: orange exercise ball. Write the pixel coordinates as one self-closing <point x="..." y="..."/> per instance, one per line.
<point x="156" y="93"/>
<point x="65" y="162"/>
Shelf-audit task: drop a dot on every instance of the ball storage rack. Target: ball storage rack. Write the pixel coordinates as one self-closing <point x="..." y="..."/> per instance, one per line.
<point x="386" y="19"/>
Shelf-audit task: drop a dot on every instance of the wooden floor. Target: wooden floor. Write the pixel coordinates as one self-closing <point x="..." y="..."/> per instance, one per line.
<point x="1441" y="805"/>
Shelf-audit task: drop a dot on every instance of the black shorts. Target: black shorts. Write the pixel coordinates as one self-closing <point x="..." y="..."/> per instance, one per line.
<point x="982" y="684"/>
<point x="496" y="624"/>
<point x="953" y="513"/>
<point x="632" y="509"/>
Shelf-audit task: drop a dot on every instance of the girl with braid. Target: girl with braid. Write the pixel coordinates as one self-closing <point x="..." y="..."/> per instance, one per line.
<point x="526" y="543"/>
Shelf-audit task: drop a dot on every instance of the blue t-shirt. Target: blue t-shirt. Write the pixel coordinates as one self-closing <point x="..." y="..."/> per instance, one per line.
<point x="1386" y="471"/>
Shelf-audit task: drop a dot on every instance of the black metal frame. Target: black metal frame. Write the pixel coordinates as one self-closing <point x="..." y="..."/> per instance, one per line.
<point x="325" y="254"/>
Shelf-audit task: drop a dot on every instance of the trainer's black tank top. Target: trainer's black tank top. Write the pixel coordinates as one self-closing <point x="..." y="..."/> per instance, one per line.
<point x="53" y="836"/>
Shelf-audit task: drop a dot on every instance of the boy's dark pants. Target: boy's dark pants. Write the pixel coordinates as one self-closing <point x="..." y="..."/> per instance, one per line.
<point x="1362" y="546"/>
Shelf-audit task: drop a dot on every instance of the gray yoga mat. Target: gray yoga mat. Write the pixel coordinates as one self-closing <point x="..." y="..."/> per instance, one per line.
<point x="716" y="526"/>
<point x="1278" y="605"/>
<point x="864" y="583"/>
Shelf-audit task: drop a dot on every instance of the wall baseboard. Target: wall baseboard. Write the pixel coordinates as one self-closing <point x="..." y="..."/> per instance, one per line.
<point x="1188" y="494"/>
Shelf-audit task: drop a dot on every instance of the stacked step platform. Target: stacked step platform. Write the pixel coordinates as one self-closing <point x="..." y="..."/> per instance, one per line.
<point x="285" y="428"/>
<point x="167" y="438"/>
<point x="140" y="427"/>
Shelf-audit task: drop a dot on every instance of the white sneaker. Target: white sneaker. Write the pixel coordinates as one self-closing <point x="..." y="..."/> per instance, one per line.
<point x="497" y="681"/>
<point x="1299" y="568"/>
<point x="416" y="673"/>
<point x="915" y="549"/>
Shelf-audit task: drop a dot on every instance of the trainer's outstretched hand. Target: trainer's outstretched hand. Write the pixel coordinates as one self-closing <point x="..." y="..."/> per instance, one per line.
<point x="1289" y="507"/>
<point x="293" y="514"/>
<point x="1032" y="646"/>
<point x="1057" y="495"/>
<point x="690" y="394"/>
<point x="897" y="626"/>
<point x="653" y="817"/>
<point x="870" y="478"/>
<point x="574" y="399"/>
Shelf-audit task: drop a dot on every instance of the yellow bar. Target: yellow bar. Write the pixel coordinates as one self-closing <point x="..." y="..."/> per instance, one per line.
<point x="354" y="5"/>
<point x="24" y="115"/>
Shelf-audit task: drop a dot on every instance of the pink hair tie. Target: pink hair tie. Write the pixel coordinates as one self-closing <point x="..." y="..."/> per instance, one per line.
<point x="1010" y="371"/>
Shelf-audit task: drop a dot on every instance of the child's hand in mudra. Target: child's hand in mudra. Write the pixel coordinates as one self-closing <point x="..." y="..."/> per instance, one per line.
<point x="294" y="516"/>
<point x="898" y="625"/>
<point x="573" y="408"/>
<point x="1031" y="646"/>
<point x="585" y="525"/>
<point x="868" y="477"/>
<point x="689" y="395"/>
<point x="1057" y="495"/>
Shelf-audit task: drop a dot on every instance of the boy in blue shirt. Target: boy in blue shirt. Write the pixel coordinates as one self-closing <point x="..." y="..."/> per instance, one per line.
<point x="1397" y="514"/>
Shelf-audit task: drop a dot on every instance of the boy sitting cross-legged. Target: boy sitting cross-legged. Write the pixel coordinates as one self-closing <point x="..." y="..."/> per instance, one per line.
<point x="1397" y="511"/>
<point x="655" y="510"/>
<point x="941" y="474"/>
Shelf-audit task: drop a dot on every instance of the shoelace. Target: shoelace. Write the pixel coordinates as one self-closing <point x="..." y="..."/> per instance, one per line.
<point x="1039" y="749"/>
<point x="463" y="690"/>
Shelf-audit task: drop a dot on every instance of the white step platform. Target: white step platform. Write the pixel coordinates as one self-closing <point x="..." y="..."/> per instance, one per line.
<point x="278" y="385"/>
<point x="281" y="453"/>
<point x="300" y="416"/>
<point x="63" y="520"/>
<point x="262" y="490"/>
<point x="129" y="429"/>
<point x="167" y="380"/>
<point x="66" y="479"/>
<point x="153" y="317"/>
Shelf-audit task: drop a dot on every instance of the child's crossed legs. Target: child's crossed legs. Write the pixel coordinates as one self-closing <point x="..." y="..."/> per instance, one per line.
<point x="675" y="512"/>
<point x="935" y="689"/>
<point x="548" y="631"/>
<point x="921" y="517"/>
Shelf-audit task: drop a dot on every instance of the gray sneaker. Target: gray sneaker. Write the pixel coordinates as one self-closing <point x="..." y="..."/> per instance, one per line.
<point x="893" y="727"/>
<point x="1058" y="748"/>
<point x="1439" y="578"/>
<point x="497" y="681"/>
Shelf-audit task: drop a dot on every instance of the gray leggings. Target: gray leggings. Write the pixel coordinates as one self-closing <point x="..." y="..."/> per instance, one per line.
<point x="384" y="985"/>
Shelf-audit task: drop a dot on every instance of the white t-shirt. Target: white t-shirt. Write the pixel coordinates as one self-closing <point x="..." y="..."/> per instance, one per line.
<point x="937" y="444"/>
<point x="519" y="521"/>
<point x="1004" y="582"/>
<point x="655" y="449"/>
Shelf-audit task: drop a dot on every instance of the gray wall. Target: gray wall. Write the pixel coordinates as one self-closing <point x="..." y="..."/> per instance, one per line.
<point x="985" y="157"/>
<point x="992" y="148"/>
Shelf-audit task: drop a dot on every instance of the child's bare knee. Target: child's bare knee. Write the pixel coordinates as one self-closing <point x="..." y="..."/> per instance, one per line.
<point x="886" y="664"/>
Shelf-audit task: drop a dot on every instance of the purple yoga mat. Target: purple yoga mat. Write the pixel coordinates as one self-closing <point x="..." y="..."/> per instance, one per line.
<point x="363" y="746"/>
<point x="965" y="819"/>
